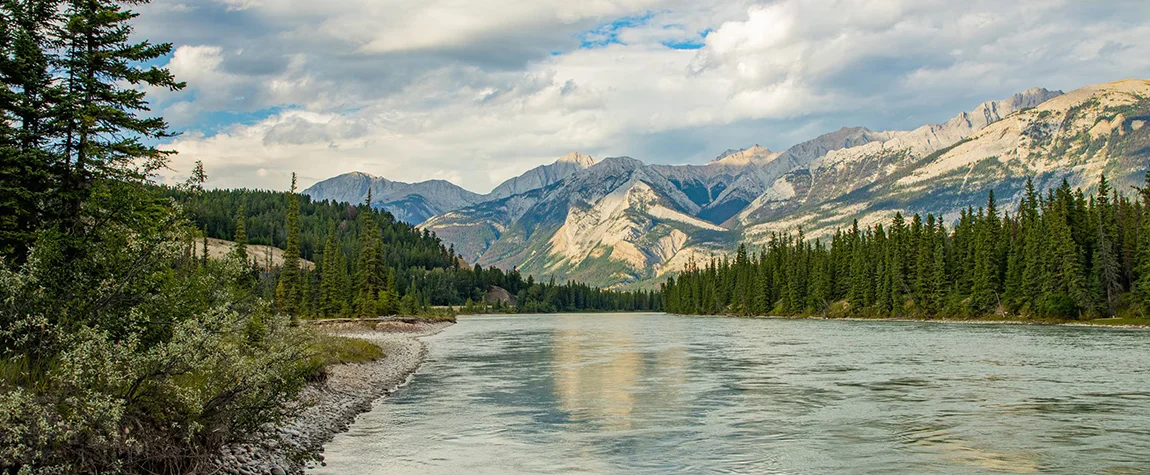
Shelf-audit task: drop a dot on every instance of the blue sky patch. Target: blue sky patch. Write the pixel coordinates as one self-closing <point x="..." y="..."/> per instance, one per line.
<point x="214" y="122"/>
<point x="608" y="33"/>
<point x="691" y="43"/>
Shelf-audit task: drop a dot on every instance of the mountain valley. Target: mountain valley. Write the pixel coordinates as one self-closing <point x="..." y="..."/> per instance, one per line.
<point x="621" y="222"/>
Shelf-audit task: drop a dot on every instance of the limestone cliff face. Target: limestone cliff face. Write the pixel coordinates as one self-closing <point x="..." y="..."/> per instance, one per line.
<point x="1045" y="135"/>
<point x="870" y="156"/>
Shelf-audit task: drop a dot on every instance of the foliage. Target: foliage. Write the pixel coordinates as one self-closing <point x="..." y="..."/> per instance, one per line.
<point x="135" y="357"/>
<point x="119" y="351"/>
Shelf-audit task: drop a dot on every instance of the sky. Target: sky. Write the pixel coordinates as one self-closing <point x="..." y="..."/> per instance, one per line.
<point x="475" y="92"/>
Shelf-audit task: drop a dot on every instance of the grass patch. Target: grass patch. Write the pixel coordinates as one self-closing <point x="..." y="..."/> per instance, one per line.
<point x="331" y="350"/>
<point x="339" y="350"/>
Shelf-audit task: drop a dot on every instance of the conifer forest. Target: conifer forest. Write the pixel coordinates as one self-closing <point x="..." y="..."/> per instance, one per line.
<point x="1056" y="255"/>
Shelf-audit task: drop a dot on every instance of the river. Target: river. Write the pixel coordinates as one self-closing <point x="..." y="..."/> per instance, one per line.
<point x="655" y="394"/>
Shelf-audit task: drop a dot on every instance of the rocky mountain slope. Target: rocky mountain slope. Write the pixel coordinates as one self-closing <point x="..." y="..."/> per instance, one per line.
<point x="837" y="172"/>
<point x="1049" y="137"/>
<point x="409" y="202"/>
<point x="621" y="222"/>
<point x="541" y="176"/>
<point x="416" y="202"/>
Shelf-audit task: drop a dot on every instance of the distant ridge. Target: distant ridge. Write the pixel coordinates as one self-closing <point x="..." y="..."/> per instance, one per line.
<point x="620" y="222"/>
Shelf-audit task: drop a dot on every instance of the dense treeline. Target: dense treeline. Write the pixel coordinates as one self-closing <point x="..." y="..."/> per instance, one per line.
<point x="1061" y="255"/>
<point x="368" y="263"/>
<point x="265" y="222"/>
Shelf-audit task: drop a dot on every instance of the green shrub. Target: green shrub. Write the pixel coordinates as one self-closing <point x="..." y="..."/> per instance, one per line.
<point x="135" y="358"/>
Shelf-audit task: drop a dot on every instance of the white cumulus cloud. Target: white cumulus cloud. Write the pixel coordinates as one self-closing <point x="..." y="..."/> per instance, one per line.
<point x="477" y="92"/>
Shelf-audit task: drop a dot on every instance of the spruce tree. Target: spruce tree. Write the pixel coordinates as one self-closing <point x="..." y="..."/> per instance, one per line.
<point x="860" y="278"/>
<point x="939" y="287"/>
<point x="1012" y="287"/>
<point x="1069" y="285"/>
<point x="369" y="277"/>
<point x="1106" y="273"/>
<point x="240" y="249"/>
<point x="29" y="34"/>
<point x="330" y="280"/>
<point x="289" y="294"/>
<point x="102" y="134"/>
<point x="388" y="295"/>
<point x="204" y="248"/>
<point x="984" y="279"/>
<point x="923" y="259"/>
<point x="1142" y="284"/>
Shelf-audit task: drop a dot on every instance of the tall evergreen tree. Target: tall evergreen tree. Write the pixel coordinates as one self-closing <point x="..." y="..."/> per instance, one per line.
<point x="289" y="293"/>
<point x="330" y="297"/>
<point x="28" y="99"/>
<point x="240" y="249"/>
<point x="98" y="119"/>
<point x="939" y="282"/>
<point x="985" y="278"/>
<point x="1142" y="284"/>
<point x="1106" y="273"/>
<point x="370" y="279"/>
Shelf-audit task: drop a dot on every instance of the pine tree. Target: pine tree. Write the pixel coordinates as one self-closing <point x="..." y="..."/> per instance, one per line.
<point x="939" y="286"/>
<point x="240" y="249"/>
<point x="330" y="298"/>
<point x="1106" y="272"/>
<point x="289" y="295"/>
<point x="103" y="95"/>
<point x="369" y="278"/>
<point x="985" y="277"/>
<point x="28" y="97"/>
<point x="1142" y="284"/>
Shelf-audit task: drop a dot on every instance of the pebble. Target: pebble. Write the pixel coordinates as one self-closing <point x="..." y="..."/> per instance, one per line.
<point x="349" y="390"/>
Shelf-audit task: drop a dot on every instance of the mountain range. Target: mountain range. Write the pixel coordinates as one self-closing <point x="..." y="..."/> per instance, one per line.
<point x="620" y="222"/>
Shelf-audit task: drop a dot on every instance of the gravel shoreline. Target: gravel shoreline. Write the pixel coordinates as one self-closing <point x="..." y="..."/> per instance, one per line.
<point x="333" y="405"/>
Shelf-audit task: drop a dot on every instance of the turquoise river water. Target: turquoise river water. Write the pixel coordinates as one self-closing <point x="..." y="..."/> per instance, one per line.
<point x="655" y="394"/>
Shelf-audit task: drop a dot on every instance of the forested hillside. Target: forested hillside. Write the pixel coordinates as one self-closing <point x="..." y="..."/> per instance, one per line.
<point x="1061" y="255"/>
<point x="395" y="269"/>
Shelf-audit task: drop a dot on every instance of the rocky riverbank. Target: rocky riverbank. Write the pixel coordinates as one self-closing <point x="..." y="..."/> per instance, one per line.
<point x="331" y="406"/>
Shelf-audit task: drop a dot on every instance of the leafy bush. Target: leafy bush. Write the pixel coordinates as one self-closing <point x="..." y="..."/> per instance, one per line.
<point x="136" y="357"/>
